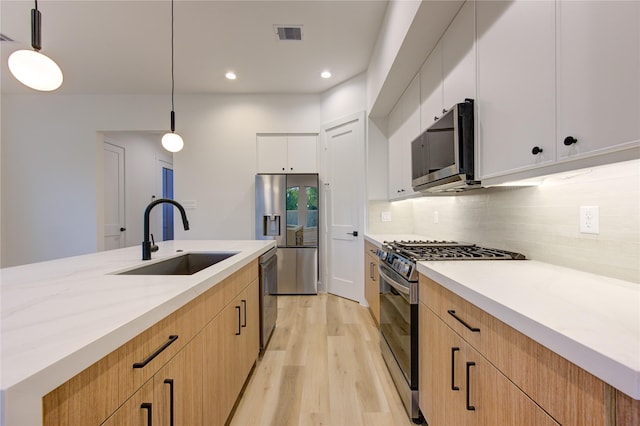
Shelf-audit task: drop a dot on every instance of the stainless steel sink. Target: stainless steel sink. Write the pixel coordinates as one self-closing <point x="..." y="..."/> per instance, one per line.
<point x="187" y="264"/>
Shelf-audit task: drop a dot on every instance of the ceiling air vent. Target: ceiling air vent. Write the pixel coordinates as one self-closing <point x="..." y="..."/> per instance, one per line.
<point x="5" y="38"/>
<point x="288" y="32"/>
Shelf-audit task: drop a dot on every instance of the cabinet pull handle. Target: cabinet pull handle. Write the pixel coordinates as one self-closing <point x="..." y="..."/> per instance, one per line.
<point x="239" y="326"/>
<point x="536" y="150"/>
<point x="172" y="339"/>
<point x="147" y="406"/>
<point x="453" y="314"/>
<point x="244" y="318"/>
<point x="453" y="369"/>
<point x="469" y="365"/>
<point x="569" y="140"/>
<point x="170" y="383"/>
<point x="371" y="271"/>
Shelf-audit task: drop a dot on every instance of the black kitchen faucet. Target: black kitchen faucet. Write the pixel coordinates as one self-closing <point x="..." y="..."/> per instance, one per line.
<point x="146" y="244"/>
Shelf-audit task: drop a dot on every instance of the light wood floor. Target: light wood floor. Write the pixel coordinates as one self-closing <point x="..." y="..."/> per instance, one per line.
<point x="322" y="367"/>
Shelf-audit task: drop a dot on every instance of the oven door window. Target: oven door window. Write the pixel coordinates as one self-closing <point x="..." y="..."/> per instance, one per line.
<point x="395" y="324"/>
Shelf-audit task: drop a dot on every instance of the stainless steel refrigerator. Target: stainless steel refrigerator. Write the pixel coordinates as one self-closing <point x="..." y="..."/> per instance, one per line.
<point x="287" y="211"/>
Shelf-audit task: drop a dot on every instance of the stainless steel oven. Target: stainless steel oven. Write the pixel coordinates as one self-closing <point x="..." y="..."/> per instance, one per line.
<point x="399" y="305"/>
<point x="399" y="332"/>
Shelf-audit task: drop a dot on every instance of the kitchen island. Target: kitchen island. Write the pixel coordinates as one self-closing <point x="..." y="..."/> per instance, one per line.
<point x="62" y="316"/>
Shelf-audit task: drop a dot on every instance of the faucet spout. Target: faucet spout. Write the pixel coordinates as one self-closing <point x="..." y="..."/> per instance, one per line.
<point x="146" y="244"/>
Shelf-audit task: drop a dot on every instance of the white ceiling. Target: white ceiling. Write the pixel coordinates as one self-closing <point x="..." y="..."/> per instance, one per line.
<point x="117" y="46"/>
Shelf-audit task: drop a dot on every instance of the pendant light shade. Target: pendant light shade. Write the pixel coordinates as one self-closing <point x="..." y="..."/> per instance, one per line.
<point x="32" y="68"/>
<point x="172" y="141"/>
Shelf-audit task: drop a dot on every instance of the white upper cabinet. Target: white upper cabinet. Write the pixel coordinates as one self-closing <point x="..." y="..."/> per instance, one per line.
<point x="448" y="76"/>
<point x="403" y="128"/>
<point x="287" y="153"/>
<point x="516" y="85"/>
<point x="459" y="57"/>
<point x="598" y="44"/>
<point x="431" y="93"/>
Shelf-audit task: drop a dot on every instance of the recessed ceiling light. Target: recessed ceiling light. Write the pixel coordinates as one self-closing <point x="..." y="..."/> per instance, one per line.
<point x="230" y="75"/>
<point x="325" y="74"/>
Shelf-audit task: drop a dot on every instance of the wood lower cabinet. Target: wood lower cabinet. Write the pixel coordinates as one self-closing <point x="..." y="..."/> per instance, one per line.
<point x="236" y="330"/>
<point x="460" y="387"/>
<point x="372" y="281"/>
<point x="170" y="366"/>
<point x="512" y="379"/>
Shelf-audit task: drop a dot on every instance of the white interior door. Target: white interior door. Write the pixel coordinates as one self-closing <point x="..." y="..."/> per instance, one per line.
<point x="114" y="220"/>
<point x="345" y="195"/>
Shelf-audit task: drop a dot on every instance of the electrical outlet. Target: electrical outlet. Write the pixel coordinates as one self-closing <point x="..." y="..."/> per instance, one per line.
<point x="385" y="216"/>
<point x="589" y="220"/>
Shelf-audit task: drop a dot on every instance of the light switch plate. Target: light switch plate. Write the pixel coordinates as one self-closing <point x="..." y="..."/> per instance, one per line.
<point x="589" y="219"/>
<point x="385" y="216"/>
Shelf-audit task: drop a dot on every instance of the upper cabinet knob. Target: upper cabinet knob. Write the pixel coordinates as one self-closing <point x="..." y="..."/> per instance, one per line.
<point x="444" y="111"/>
<point x="435" y="117"/>
<point x="536" y="150"/>
<point x="570" y="140"/>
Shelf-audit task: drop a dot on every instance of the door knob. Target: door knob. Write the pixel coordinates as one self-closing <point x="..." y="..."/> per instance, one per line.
<point x="354" y="233"/>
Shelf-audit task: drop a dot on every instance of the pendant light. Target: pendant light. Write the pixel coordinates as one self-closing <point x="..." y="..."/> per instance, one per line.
<point x="172" y="141"/>
<point x="32" y="68"/>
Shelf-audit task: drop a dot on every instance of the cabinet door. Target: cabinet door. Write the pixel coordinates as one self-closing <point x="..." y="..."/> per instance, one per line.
<point x="431" y="96"/>
<point x="222" y="348"/>
<point x="492" y="399"/>
<point x="137" y="411"/>
<point x="598" y="75"/>
<point x="395" y="153"/>
<point x="516" y="85"/>
<point x="250" y="328"/>
<point x="371" y="284"/>
<point x="177" y="388"/>
<point x="441" y="376"/>
<point x="459" y="57"/>
<point x="272" y="153"/>
<point x="302" y="154"/>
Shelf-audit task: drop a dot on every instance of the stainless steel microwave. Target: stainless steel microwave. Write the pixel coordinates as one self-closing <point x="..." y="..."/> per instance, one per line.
<point x="442" y="157"/>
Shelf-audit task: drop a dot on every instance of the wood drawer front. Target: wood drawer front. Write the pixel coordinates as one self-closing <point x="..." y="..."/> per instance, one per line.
<point x="571" y="395"/>
<point x="466" y="319"/>
<point x="185" y="323"/>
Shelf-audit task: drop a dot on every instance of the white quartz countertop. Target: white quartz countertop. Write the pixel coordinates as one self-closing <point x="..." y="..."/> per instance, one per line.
<point x="591" y="320"/>
<point x="61" y="316"/>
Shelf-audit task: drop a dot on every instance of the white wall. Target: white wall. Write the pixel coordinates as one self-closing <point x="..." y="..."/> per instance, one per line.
<point x="142" y="152"/>
<point x="217" y="166"/>
<point x="344" y="100"/>
<point x="540" y="222"/>
<point x="50" y="163"/>
<point x="50" y="168"/>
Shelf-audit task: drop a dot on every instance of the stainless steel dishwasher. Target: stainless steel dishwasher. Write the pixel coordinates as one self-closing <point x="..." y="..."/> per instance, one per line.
<point x="268" y="300"/>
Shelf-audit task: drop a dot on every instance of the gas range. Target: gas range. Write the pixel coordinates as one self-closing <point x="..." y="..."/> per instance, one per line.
<point x="402" y="256"/>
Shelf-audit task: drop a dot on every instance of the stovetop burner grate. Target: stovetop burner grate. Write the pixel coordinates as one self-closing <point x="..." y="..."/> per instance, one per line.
<point x="449" y="250"/>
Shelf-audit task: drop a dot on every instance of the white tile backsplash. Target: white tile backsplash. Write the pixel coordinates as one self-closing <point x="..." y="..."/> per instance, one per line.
<point x="541" y="222"/>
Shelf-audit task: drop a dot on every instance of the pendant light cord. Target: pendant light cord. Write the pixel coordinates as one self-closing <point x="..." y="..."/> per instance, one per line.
<point x="172" y="78"/>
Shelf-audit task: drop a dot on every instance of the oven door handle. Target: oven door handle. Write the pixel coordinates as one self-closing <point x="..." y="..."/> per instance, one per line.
<point x="402" y="289"/>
